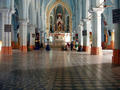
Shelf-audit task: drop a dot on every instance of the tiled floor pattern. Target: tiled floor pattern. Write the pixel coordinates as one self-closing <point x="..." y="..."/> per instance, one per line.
<point x="58" y="70"/>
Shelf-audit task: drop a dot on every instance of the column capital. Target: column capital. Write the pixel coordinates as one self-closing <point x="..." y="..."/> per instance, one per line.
<point x="81" y="23"/>
<point x="86" y="20"/>
<point x="4" y="10"/>
<point x="12" y="11"/>
<point x="112" y="30"/>
<point x="98" y="10"/>
<point x="31" y="25"/>
<point x="23" y="21"/>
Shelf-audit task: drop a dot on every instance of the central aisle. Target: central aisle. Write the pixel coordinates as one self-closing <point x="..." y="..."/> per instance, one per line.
<point x="58" y="70"/>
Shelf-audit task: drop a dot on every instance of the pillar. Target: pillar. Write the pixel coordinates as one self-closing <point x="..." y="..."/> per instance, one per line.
<point x="1" y="30"/>
<point x="23" y="35"/>
<point x="96" y="27"/>
<point x="32" y="36"/>
<point x="86" y="36"/>
<point x="112" y="39"/>
<point x="6" y="31"/>
<point x="116" y="51"/>
<point x="80" y="36"/>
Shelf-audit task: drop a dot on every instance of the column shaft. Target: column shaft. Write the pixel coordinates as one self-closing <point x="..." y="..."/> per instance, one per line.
<point x="96" y="27"/>
<point x="116" y="51"/>
<point x="6" y="35"/>
<point x="32" y="37"/>
<point x="112" y="40"/>
<point x="80" y="36"/>
<point x="86" y="37"/>
<point x="23" y="35"/>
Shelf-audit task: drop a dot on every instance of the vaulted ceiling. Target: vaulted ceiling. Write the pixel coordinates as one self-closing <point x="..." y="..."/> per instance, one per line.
<point x="37" y="8"/>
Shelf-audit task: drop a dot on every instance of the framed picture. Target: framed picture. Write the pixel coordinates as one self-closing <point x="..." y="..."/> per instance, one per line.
<point x="84" y="32"/>
<point x="8" y="28"/>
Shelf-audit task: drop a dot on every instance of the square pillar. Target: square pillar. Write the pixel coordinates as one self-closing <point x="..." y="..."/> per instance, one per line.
<point x="80" y="35"/>
<point x="86" y="36"/>
<point x="112" y="39"/>
<point x="32" y="36"/>
<point x="5" y="30"/>
<point x="116" y="51"/>
<point x="96" y="27"/>
<point x="23" y="35"/>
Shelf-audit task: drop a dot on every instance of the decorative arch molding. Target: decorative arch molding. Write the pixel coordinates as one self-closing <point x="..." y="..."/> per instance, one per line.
<point x="48" y="11"/>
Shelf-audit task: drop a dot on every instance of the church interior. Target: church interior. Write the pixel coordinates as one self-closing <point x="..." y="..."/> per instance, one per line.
<point x="59" y="44"/>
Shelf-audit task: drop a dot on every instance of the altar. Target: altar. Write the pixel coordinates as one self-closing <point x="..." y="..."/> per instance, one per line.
<point x="59" y="31"/>
<point x="59" y="40"/>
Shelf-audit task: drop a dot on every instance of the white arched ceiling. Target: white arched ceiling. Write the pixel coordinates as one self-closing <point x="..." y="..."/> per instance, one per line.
<point x="32" y="13"/>
<point x="79" y="9"/>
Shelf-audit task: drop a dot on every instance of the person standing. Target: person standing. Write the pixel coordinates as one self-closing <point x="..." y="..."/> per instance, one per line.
<point x="71" y="46"/>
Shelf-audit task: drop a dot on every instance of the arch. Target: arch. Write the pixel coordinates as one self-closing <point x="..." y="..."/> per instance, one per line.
<point x="48" y="11"/>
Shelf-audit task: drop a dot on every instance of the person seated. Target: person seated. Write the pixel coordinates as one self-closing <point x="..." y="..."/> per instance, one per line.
<point x="65" y="47"/>
<point x="48" y="47"/>
<point x="80" y="48"/>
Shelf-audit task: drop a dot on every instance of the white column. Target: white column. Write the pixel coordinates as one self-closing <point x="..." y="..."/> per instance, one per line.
<point x="23" y="35"/>
<point x="42" y="37"/>
<point x="5" y="21"/>
<point x="80" y="35"/>
<point x="96" y="27"/>
<point x="86" y="38"/>
<point x="1" y="30"/>
<point x="1" y="26"/>
<point x="112" y="39"/>
<point x="116" y="51"/>
<point x="6" y="36"/>
<point x="32" y="36"/>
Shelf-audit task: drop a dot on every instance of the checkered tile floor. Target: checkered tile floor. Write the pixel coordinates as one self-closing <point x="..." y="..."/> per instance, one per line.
<point x="58" y="70"/>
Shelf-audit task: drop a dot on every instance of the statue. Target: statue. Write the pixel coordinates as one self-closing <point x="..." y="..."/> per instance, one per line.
<point x="59" y="22"/>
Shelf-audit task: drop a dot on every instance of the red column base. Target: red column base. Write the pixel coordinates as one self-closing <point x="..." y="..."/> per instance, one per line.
<point x="23" y="49"/>
<point x="13" y="44"/>
<point x="31" y="47"/>
<point x="6" y="51"/>
<point x="96" y="51"/>
<point x="111" y="46"/>
<point x="104" y="45"/>
<point x="116" y="56"/>
<point x="86" y="48"/>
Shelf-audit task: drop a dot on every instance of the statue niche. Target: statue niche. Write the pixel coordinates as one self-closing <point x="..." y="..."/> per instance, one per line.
<point x="59" y="26"/>
<point x="59" y="22"/>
